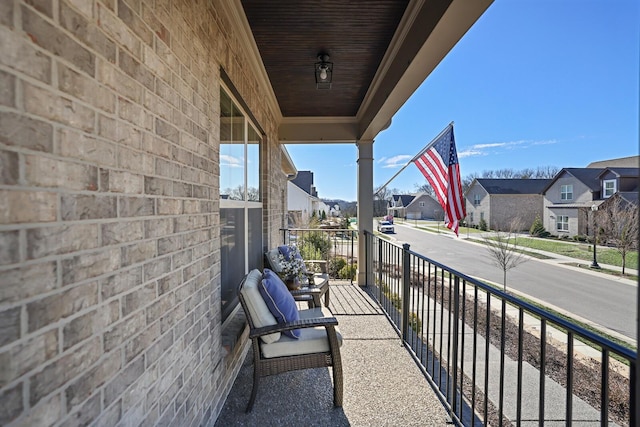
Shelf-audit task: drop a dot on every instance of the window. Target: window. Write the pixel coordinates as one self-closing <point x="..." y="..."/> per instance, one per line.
<point x="476" y="199"/>
<point x="609" y="188"/>
<point x="422" y="204"/>
<point x="481" y="216"/>
<point x="471" y="217"/>
<point x="240" y="199"/>
<point x="566" y="192"/>
<point x="562" y="223"/>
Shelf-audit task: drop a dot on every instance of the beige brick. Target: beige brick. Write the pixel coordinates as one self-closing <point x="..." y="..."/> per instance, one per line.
<point x="47" y="172"/>
<point x="78" y="22"/>
<point x="46" y="413"/>
<point x="6" y="13"/>
<point x="134" y="113"/>
<point x="90" y="265"/>
<point x="27" y="355"/>
<point x="155" y="24"/>
<point x="125" y="182"/>
<point x="117" y="30"/>
<point x="9" y="325"/>
<point x="85" y="414"/>
<point x="159" y="307"/>
<point x="168" y="169"/>
<point x="85" y="147"/>
<point x="124" y="330"/>
<point x="86" y="89"/>
<point x="9" y="247"/>
<point x="45" y="241"/>
<point x="119" y="131"/>
<point x="7" y="89"/>
<point x="139" y="298"/>
<point x="136" y="161"/>
<point x="56" y="41"/>
<point x="56" y="307"/>
<point x="96" y="377"/>
<point x="156" y="268"/>
<point x="94" y="322"/>
<point x="158" y="186"/>
<point x="156" y="145"/>
<point x="9" y="168"/>
<point x="64" y="369"/>
<point x="137" y="71"/>
<point x="122" y="231"/>
<point x="169" y="206"/>
<point x="19" y="54"/>
<point x="12" y="403"/>
<point x="121" y="282"/>
<point x="28" y="206"/>
<point x="46" y="104"/>
<point x="133" y="21"/>
<point x="21" y="131"/>
<point x="135" y="206"/>
<point x="158" y="106"/>
<point x="111" y="76"/>
<point x="123" y="380"/>
<point x="141" y="342"/>
<point x="138" y="252"/>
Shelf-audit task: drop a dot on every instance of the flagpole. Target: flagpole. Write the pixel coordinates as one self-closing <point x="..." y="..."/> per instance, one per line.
<point x="414" y="158"/>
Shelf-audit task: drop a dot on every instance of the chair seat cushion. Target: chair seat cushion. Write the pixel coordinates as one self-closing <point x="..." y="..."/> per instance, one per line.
<point x="311" y="340"/>
<point x="258" y="311"/>
<point x="279" y="300"/>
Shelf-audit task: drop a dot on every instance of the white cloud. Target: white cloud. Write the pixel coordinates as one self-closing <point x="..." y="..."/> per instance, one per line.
<point x="395" y="161"/>
<point x="230" y="161"/>
<point x="496" y="147"/>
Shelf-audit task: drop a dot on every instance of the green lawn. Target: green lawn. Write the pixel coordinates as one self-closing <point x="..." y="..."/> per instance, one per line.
<point x="581" y="251"/>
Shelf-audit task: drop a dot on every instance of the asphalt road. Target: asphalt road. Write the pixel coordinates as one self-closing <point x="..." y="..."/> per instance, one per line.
<point x="603" y="301"/>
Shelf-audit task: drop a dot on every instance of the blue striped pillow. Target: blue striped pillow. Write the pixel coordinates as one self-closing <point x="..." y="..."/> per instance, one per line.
<point x="279" y="300"/>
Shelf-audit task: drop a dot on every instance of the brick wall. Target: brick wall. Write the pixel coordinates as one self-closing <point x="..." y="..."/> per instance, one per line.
<point x="109" y="212"/>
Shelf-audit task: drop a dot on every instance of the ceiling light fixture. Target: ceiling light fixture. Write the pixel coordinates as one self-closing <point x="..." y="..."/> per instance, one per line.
<point x="324" y="72"/>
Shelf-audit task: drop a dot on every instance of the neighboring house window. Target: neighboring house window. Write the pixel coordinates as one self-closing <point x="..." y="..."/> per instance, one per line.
<point x="562" y="223"/>
<point x="566" y="192"/>
<point x="481" y="216"/>
<point x="241" y="246"/>
<point x="471" y="217"/>
<point x="476" y="199"/>
<point x="609" y="188"/>
<point x="422" y="204"/>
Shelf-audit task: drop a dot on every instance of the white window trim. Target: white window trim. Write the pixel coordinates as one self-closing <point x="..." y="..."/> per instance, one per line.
<point x="564" y="194"/>
<point x="560" y="222"/>
<point x="604" y="188"/>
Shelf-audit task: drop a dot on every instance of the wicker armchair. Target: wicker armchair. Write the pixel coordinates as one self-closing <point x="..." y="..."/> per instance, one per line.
<point x="273" y="353"/>
<point x="319" y="281"/>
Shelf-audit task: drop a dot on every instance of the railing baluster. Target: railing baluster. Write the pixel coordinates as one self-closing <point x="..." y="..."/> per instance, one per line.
<point x="486" y="358"/>
<point x="502" y="347"/>
<point x="543" y="362"/>
<point x="604" y="391"/>
<point x="462" y="343"/>
<point x="456" y="314"/>
<point x="475" y="353"/>
<point x="519" y="385"/>
<point x="569" y="401"/>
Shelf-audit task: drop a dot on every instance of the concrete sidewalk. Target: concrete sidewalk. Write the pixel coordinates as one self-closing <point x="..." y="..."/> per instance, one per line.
<point x="382" y="384"/>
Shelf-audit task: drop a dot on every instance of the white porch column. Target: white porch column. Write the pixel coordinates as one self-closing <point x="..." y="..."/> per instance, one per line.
<point x="365" y="205"/>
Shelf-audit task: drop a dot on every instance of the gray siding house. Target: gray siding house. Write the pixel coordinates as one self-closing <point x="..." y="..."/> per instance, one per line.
<point x="501" y="201"/>
<point x="573" y="192"/>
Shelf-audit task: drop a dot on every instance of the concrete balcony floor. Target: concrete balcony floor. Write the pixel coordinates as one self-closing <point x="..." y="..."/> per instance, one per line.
<point x="382" y="384"/>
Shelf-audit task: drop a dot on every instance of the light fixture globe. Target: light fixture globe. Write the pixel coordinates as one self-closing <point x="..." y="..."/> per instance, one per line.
<point x="323" y="72"/>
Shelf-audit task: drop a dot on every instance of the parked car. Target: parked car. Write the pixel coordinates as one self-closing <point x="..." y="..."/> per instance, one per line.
<point x="385" y="227"/>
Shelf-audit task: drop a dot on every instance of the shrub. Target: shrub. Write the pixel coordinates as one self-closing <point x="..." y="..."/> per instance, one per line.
<point x="537" y="228"/>
<point x="314" y="245"/>
<point x="482" y="225"/>
<point x="335" y="266"/>
<point x="347" y="272"/>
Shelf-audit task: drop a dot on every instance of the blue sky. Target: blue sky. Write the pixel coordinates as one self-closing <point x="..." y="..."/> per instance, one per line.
<point x="533" y="83"/>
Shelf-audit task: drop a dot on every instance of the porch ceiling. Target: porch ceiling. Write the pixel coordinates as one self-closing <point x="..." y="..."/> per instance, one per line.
<point x="381" y="50"/>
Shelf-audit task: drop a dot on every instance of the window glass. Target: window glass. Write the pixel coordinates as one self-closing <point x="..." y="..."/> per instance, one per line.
<point x="562" y="223"/>
<point x="476" y="199"/>
<point x="240" y="206"/>
<point x="566" y="192"/>
<point x="609" y="187"/>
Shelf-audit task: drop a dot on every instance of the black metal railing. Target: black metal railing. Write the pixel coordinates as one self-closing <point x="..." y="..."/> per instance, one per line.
<point x="496" y="359"/>
<point x="338" y="247"/>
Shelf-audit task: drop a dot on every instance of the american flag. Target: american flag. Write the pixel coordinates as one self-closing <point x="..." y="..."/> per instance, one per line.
<point x="438" y="162"/>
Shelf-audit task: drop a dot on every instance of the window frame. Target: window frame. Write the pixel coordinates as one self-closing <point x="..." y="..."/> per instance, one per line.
<point x="566" y="192"/>
<point x="476" y="200"/>
<point x="605" y="194"/>
<point x="562" y="225"/>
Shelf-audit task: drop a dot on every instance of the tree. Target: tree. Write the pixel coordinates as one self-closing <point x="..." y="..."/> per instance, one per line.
<point x="502" y="247"/>
<point x="537" y="228"/>
<point x="618" y="222"/>
<point x="238" y="193"/>
<point x="424" y="188"/>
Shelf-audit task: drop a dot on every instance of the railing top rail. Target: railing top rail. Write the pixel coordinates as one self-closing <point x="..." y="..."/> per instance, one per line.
<point x="532" y="309"/>
<point x="318" y="229"/>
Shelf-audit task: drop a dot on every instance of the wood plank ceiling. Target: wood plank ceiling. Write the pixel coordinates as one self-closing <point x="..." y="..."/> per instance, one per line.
<point x="291" y="33"/>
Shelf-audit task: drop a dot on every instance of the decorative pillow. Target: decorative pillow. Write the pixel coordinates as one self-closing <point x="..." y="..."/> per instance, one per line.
<point x="279" y="300"/>
<point x="286" y="253"/>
